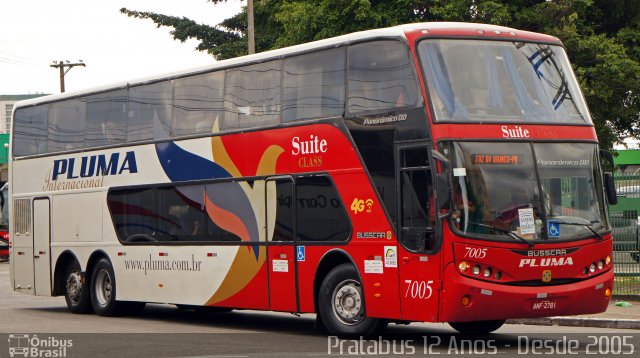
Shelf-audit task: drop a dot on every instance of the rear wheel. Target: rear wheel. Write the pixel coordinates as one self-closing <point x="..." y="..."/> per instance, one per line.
<point x="341" y="305"/>
<point x="477" y="327"/>
<point x="103" y="293"/>
<point x="76" y="292"/>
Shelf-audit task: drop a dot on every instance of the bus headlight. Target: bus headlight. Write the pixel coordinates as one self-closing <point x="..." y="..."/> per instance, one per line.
<point x="607" y="261"/>
<point x="487" y="272"/>
<point x="592" y="268"/>
<point x="600" y="264"/>
<point x="463" y="266"/>
<point x="476" y="270"/>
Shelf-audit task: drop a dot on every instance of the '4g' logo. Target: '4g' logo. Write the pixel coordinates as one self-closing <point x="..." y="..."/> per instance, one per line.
<point x="360" y="205"/>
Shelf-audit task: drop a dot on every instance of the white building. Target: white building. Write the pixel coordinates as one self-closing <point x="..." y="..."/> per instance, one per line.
<point x="6" y="108"/>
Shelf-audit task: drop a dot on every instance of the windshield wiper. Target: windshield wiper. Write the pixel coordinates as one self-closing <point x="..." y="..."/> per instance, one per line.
<point x="504" y="231"/>
<point x="588" y="226"/>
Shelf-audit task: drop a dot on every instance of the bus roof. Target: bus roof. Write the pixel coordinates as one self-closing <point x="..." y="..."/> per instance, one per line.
<point x="400" y="31"/>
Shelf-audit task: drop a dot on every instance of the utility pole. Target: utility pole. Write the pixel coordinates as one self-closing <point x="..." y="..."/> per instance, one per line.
<point x="250" y="31"/>
<point x="61" y="65"/>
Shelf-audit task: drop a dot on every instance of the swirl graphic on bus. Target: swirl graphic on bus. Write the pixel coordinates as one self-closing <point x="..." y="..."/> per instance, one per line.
<point x="235" y="206"/>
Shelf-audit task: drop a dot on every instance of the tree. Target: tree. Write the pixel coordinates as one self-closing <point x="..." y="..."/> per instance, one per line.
<point x="602" y="38"/>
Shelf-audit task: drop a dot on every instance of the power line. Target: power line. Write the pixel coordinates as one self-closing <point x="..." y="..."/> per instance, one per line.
<point x="61" y="65"/>
<point x="17" y="56"/>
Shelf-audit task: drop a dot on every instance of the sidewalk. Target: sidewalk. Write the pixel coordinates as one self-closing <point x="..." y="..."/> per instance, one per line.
<point x="615" y="317"/>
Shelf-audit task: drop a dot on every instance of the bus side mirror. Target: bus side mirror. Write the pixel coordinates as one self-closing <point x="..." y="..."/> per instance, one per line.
<point x="610" y="188"/>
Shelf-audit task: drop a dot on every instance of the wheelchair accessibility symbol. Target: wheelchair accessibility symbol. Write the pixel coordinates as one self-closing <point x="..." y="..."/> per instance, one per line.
<point x="553" y="229"/>
<point x="300" y="253"/>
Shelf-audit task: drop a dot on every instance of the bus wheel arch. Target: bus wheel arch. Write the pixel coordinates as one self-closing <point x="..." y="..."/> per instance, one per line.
<point x="70" y="282"/>
<point x="93" y="259"/>
<point x="328" y="262"/>
<point x="340" y="301"/>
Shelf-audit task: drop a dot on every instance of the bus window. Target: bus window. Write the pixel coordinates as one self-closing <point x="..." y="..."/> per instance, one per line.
<point x="320" y="213"/>
<point x="252" y="96"/>
<point x="198" y="103"/>
<point x="66" y="125"/>
<point x="180" y="218"/>
<point x="501" y="81"/>
<point x="149" y="111"/>
<point x="283" y="228"/>
<point x="134" y="214"/>
<point x="30" y="131"/>
<point x="314" y="85"/>
<point x="223" y="205"/>
<point x="106" y="123"/>
<point x="381" y="77"/>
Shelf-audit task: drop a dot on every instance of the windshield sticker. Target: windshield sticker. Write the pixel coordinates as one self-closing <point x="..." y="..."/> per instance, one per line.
<point x="553" y="228"/>
<point x="498" y="159"/>
<point x="527" y="223"/>
<point x="459" y="172"/>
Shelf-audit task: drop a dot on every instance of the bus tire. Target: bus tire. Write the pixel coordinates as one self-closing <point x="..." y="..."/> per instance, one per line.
<point x="477" y="327"/>
<point x="103" y="291"/>
<point x="341" y="305"/>
<point x="76" y="290"/>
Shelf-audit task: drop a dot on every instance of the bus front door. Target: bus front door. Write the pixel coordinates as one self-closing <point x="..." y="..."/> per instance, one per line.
<point x="282" y="263"/>
<point x="419" y="266"/>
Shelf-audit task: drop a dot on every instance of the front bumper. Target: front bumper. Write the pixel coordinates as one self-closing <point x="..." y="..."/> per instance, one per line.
<point x="490" y="301"/>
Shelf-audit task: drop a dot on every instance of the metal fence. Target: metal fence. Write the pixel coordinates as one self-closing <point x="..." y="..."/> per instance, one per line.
<point x="625" y="225"/>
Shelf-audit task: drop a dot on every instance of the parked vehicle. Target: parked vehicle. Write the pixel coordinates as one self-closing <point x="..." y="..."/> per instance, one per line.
<point x="4" y="222"/>
<point x="626" y="233"/>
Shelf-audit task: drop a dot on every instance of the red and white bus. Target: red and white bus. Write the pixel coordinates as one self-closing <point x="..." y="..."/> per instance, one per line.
<point x="435" y="172"/>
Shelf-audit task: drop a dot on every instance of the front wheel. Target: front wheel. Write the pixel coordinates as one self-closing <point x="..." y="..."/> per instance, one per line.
<point x="341" y="305"/>
<point x="477" y="327"/>
<point x="76" y="291"/>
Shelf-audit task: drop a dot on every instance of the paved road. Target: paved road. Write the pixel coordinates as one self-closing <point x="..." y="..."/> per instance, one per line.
<point x="165" y="331"/>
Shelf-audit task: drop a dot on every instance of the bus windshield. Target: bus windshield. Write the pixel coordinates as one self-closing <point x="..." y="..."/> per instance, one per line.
<point x="497" y="191"/>
<point x="500" y="81"/>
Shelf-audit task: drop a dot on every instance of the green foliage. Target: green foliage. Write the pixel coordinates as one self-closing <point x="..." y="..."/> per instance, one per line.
<point x="602" y="37"/>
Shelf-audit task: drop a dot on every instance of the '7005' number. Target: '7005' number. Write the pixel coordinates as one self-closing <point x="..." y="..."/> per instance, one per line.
<point x="418" y="289"/>
<point x="475" y="253"/>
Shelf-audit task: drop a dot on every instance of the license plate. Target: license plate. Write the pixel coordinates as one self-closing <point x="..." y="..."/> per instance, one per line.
<point x="543" y="305"/>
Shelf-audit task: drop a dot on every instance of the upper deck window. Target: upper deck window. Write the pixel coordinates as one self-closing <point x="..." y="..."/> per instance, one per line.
<point x="498" y="81"/>
<point x="252" y="96"/>
<point x="314" y="85"/>
<point x="380" y="77"/>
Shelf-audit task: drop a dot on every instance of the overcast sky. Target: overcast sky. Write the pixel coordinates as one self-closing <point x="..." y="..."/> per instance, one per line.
<point x="114" y="47"/>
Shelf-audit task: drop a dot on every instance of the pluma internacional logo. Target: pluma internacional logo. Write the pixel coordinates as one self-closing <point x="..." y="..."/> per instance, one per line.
<point x="88" y="171"/>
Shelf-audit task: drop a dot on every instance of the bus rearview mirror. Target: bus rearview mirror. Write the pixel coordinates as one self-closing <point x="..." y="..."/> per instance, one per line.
<point x="610" y="188"/>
